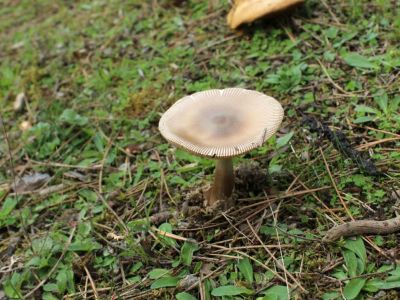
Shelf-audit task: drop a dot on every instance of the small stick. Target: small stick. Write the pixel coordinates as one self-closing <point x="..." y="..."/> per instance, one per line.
<point x="215" y="43"/>
<point x="96" y="295"/>
<point x="380" y="130"/>
<point x="86" y="287"/>
<point x="237" y="229"/>
<point x="257" y="247"/>
<point x="173" y="236"/>
<point x="61" y="165"/>
<point x="371" y="144"/>
<point x="69" y="296"/>
<point x="363" y="227"/>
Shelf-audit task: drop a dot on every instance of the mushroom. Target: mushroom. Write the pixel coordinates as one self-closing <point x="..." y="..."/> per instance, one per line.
<point x="246" y="11"/>
<point x="221" y="124"/>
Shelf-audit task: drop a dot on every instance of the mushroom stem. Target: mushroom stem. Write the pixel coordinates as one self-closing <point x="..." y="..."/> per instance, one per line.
<point x="223" y="181"/>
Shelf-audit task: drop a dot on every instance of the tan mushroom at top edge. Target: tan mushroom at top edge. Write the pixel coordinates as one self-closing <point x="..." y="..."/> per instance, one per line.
<point x="246" y="11"/>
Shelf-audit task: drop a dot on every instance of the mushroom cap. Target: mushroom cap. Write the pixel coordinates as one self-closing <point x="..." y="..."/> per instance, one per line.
<point x="246" y="11"/>
<point x="221" y="123"/>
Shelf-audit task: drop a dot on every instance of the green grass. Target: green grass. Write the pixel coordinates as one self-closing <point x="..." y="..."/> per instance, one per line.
<point x="98" y="75"/>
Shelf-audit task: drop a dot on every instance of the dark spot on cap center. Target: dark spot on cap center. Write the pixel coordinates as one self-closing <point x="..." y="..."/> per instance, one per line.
<point x="220" y="120"/>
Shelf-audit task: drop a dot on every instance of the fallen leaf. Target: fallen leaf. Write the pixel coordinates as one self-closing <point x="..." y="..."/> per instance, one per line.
<point x="246" y="11"/>
<point x="188" y="281"/>
<point x="30" y="182"/>
<point x="77" y="175"/>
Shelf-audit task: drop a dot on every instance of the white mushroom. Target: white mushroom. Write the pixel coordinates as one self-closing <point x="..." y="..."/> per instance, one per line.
<point x="221" y="124"/>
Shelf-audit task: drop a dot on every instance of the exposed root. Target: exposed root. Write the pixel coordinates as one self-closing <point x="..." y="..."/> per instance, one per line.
<point x="363" y="227"/>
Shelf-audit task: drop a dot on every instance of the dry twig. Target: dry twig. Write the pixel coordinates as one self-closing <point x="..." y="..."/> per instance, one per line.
<point x="361" y="227"/>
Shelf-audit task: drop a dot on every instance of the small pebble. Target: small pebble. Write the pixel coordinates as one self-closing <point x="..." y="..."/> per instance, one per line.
<point x="19" y="103"/>
<point x="124" y="167"/>
<point x="25" y="125"/>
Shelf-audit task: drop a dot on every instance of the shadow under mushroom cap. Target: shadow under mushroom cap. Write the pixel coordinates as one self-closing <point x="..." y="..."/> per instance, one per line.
<point x="221" y="123"/>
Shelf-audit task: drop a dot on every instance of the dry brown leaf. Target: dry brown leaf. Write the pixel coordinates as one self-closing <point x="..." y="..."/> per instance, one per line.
<point x="30" y="182"/>
<point x="246" y="11"/>
<point x="113" y="236"/>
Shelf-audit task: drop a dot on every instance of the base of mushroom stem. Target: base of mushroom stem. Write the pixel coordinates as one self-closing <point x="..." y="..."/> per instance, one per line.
<point x="214" y="203"/>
